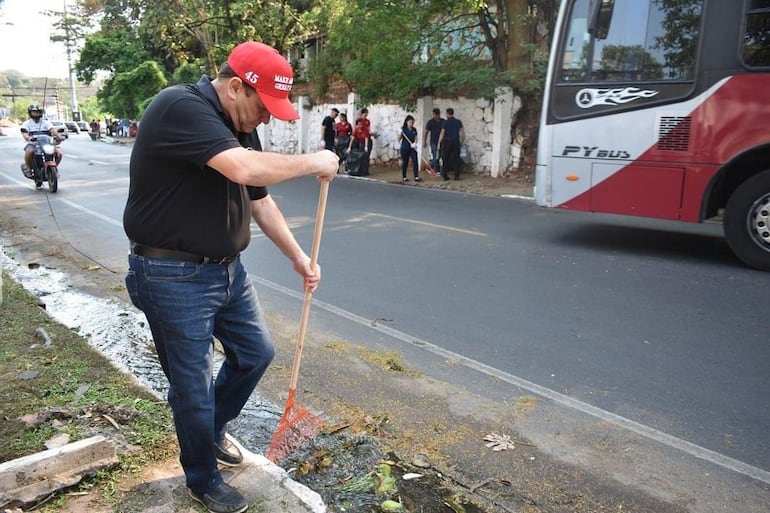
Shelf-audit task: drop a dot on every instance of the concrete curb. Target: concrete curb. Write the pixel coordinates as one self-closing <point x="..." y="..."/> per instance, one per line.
<point x="263" y="482"/>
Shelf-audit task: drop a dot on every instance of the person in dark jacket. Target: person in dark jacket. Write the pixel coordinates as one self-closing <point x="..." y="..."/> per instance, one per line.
<point x="432" y="132"/>
<point x="450" y="139"/>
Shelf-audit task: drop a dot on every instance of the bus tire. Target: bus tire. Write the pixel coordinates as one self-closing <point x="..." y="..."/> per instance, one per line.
<point x="747" y="221"/>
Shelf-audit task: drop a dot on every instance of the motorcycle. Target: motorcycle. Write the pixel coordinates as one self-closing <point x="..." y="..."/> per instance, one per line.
<point x="44" y="167"/>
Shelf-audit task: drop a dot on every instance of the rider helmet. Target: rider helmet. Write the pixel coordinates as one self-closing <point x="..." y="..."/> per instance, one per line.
<point x="35" y="108"/>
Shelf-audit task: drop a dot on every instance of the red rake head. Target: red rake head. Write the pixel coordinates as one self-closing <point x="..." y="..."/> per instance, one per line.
<point x="297" y="426"/>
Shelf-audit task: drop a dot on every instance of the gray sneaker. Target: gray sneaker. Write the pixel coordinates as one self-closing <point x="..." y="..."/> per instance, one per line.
<point x="222" y="499"/>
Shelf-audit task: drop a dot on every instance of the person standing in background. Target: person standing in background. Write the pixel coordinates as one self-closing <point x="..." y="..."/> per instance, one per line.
<point x="343" y="130"/>
<point x="432" y="133"/>
<point x="358" y="162"/>
<point x="449" y="141"/>
<point x="367" y="129"/>
<point x="408" y="138"/>
<point x="327" y="129"/>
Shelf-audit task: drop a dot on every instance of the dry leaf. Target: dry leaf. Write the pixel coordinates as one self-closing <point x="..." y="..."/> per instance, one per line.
<point x="499" y="442"/>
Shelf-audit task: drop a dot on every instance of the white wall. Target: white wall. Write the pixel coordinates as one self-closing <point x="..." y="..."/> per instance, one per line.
<point x="489" y="148"/>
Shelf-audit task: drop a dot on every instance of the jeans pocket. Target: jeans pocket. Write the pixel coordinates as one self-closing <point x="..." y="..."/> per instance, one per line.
<point x="170" y="270"/>
<point x="132" y="288"/>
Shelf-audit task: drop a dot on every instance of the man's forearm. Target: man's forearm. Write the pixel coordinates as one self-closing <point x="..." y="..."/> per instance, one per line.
<point x="272" y="223"/>
<point x="266" y="168"/>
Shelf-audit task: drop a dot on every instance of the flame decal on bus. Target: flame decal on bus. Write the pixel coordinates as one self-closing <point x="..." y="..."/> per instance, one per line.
<point x="587" y="98"/>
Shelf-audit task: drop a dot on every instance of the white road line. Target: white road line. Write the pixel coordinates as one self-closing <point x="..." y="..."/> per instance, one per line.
<point x="103" y="217"/>
<point x="74" y="157"/>
<point x="424" y="223"/>
<point x="74" y="205"/>
<point x="633" y="426"/>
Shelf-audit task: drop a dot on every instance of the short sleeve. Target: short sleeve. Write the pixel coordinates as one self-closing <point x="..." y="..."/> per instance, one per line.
<point x="256" y="192"/>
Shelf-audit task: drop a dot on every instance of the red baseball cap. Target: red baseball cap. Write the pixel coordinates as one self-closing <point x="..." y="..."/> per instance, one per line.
<point x="264" y="69"/>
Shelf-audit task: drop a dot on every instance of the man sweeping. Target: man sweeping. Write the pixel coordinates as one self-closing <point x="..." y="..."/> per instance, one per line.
<point x="197" y="178"/>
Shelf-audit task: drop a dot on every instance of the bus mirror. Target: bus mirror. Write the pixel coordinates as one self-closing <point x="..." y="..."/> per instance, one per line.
<point x="601" y="18"/>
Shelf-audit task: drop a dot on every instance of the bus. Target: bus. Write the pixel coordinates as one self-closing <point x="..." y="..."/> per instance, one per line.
<point x="661" y="109"/>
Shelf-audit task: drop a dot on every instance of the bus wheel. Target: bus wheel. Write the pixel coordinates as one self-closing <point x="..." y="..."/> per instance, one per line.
<point x="747" y="221"/>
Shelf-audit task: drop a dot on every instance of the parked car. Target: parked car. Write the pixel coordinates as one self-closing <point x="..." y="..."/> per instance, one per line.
<point x="60" y="127"/>
<point x="83" y="126"/>
<point x="72" y="127"/>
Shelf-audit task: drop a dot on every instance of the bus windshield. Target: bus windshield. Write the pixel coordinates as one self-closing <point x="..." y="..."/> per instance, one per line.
<point x="631" y="41"/>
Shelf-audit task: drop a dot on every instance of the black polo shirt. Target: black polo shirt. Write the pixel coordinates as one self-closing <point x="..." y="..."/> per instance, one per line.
<point x="175" y="201"/>
<point x="434" y="127"/>
<point x="452" y="128"/>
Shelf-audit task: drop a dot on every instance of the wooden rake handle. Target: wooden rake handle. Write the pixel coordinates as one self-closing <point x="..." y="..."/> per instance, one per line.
<point x="319" y="224"/>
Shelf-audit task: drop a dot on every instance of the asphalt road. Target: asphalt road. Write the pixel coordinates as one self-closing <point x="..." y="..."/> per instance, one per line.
<point x="651" y="326"/>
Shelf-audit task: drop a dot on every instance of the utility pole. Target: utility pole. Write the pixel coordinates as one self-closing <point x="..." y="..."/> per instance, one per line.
<point x="13" y="116"/>
<point x="68" y="42"/>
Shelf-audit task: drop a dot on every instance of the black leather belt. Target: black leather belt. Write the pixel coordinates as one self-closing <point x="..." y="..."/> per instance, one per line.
<point x="150" y="252"/>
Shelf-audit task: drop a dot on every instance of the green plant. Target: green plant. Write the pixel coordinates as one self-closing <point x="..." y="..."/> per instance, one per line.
<point x="69" y="387"/>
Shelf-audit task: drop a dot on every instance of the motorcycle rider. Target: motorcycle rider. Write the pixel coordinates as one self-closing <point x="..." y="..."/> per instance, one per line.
<point x="32" y="127"/>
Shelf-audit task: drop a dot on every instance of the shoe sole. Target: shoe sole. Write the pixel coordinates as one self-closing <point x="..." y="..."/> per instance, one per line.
<point x="229" y="464"/>
<point x="225" y="462"/>
<point x="200" y="501"/>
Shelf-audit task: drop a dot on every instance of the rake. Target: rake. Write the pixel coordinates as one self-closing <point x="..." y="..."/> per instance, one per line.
<point x="297" y="424"/>
<point x="428" y="167"/>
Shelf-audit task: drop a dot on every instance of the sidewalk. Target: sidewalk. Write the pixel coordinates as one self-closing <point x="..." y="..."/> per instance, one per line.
<point x="160" y="488"/>
<point x="517" y="183"/>
<point x="265" y="485"/>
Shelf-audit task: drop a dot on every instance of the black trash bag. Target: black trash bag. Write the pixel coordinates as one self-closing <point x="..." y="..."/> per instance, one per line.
<point x="341" y="146"/>
<point x="357" y="163"/>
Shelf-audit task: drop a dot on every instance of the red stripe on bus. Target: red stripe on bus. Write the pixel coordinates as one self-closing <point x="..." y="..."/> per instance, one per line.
<point x="671" y="185"/>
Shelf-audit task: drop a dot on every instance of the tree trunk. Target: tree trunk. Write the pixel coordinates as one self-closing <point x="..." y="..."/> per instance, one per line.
<point x="518" y="34"/>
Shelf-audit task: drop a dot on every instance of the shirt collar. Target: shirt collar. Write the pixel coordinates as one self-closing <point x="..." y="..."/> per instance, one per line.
<point x="208" y="91"/>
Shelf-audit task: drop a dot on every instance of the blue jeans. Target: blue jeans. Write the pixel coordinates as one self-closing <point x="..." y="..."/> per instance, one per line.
<point x="186" y="305"/>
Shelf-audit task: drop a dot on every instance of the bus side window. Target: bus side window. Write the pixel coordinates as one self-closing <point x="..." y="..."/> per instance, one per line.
<point x="756" y="39"/>
<point x="573" y="65"/>
<point x="633" y="41"/>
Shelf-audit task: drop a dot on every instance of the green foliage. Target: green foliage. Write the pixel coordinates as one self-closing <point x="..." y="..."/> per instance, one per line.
<point x="115" y="51"/>
<point x="392" y="50"/>
<point x="188" y="73"/>
<point x="321" y="71"/>
<point x="62" y="368"/>
<point x="399" y="49"/>
<point x="124" y="93"/>
<point x="90" y="109"/>
<point x="196" y="39"/>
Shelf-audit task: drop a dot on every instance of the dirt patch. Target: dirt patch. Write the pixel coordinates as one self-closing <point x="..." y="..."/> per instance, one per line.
<point x="517" y="182"/>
